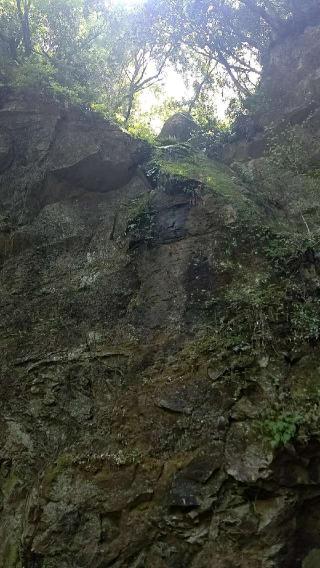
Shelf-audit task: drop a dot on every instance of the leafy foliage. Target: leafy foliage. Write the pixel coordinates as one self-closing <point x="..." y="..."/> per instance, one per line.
<point x="282" y="429"/>
<point x="140" y="225"/>
<point x="292" y="148"/>
<point x="94" y="53"/>
<point x="87" y="51"/>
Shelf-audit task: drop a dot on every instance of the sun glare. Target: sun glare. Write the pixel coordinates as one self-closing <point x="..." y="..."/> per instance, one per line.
<point x="127" y="2"/>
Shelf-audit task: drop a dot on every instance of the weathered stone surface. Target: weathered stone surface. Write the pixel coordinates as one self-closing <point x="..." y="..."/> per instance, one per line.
<point x="150" y="357"/>
<point x="294" y="62"/>
<point x="288" y="95"/>
<point x="248" y="456"/>
<point x="201" y="468"/>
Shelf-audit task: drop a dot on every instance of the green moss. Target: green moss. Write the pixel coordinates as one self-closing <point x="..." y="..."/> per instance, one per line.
<point x="203" y="170"/>
<point x="312" y="560"/>
<point x="182" y="162"/>
<point x="11" y="555"/>
<point x="208" y="173"/>
<point x="52" y="473"/>
<point x="140" y="218"/>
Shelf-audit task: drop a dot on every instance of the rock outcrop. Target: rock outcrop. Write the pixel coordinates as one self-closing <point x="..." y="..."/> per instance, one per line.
<point x="291" y="78"/>
<point x="179" y="127"/>
<point x="288" y="95"/>
<point x="159" y="354"/>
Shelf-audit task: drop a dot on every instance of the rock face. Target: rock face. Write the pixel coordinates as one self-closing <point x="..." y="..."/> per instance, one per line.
<point x="159" y="355"/>
<point x="291" y="77"/>
<point x="288" y="96"/>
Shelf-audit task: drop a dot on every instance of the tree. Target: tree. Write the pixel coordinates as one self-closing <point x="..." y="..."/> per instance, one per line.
<point x="23" y="9"/>
<point x="103" y="57"/>
<point x="147" y="54"/>
<point x="87" y="50"/>
<point x="232" y="35"/>
<point x="10" y="30"/>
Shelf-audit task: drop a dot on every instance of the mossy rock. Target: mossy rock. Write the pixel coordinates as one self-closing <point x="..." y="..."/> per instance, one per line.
<point x="181" y="164"/>
<point x="180" y="127"/>
<point x="11" y="555"/>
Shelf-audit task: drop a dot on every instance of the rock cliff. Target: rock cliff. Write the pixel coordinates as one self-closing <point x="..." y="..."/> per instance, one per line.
<point x="160" y="375"/>
<point x="288" y="94"/>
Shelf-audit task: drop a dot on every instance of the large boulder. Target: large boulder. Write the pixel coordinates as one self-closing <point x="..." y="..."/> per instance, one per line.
<point x="179" y="127"/>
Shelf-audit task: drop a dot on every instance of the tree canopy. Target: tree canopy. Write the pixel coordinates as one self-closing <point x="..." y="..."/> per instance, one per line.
<point x="103" y="56"/>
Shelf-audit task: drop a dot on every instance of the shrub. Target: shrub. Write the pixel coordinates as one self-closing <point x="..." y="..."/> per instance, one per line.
<point x="282" y="429"/>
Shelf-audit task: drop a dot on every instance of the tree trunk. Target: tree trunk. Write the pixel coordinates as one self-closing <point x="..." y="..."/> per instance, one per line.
<point x="129" y="107"/>
<point x="197" y="94"/>
<point x="25" y="25"/>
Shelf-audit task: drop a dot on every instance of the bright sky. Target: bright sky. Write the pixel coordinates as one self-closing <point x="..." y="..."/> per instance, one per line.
<point x="127" y="2"/>
<point x="173" y="85"/>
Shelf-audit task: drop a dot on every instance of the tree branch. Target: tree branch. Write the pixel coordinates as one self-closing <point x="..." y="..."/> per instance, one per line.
<point x="270" y="18"/>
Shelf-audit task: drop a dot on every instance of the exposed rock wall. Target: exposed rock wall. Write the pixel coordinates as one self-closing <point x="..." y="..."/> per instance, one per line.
<point x="291" y="78"/>
<point x="288" y="95"/>
<point x="160" y="395"/>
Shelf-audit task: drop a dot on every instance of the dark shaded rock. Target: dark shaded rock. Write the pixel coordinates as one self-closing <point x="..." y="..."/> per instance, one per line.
<point x="279" y="75"/>
<point x="292" y="60"/>
<point x="179" y="127"/>
<point x="201" y="468"/>
<point x="100" y="160"/>
<point x="175" y="404"/>
<point x="171" y="222"/>
<point x="6" y="151"/>
<point x="184" y="494"/>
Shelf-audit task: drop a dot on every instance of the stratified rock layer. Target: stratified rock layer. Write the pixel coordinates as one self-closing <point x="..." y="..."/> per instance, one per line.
<point x="159" y="385"/>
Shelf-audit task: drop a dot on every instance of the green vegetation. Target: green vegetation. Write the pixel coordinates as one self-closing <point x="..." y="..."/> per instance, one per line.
<point x="293" y="148"/>
<point x="282" y="428"/>
<point x="11" y="555"/>
<point x="270" y="305"/>
<point x="296" y="421"/>
<point x="140" y="223"/>
<point x="182" y="162"/>
<point x="104" y="56"/>
<point x="305" y="320"/>
<point x="207" y="172"/>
